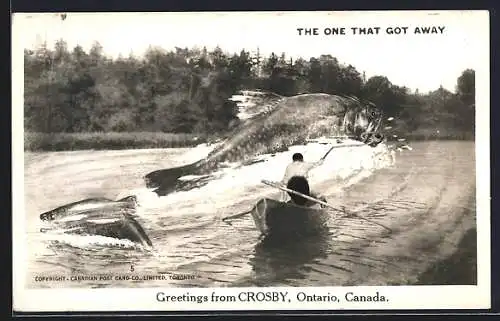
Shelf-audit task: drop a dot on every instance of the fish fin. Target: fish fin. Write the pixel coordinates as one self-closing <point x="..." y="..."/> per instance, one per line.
<point x="253" y="103"/>
<point x="138" y="234"/>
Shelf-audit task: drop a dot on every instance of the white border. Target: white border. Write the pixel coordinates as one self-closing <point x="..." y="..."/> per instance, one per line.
<point x="400" y="297"/>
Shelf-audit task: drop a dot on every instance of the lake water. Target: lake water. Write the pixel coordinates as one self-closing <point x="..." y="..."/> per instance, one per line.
<point x="426" y="196"/>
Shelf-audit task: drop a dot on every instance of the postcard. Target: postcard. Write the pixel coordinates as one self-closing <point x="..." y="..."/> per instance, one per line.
<point x="201" y="161"/>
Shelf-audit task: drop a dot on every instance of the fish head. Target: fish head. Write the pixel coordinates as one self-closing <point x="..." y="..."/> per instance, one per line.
<point x="52" y="215"/>
<point x="370" y="118"/>
<point x="363" y="121"/>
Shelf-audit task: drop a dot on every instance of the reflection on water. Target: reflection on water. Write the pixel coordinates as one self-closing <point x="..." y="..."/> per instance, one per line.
<point x="275" y="262"/>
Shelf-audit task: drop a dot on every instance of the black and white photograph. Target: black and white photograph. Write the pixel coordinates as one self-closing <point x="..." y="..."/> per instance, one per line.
<point x="251" y="160"/>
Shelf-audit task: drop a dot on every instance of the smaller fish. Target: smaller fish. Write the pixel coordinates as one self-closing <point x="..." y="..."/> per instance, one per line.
<point x="99" y="216"/>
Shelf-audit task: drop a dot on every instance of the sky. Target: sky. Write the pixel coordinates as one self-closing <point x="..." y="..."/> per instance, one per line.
<point x="417" y="61"/>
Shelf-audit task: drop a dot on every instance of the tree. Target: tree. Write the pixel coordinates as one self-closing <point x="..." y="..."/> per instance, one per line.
<point x="466" y="93"/>
<point x="330" y="74"/>
<point x="188" y="90"/>
<point x="380" y="91"/>
<point x="350" y="82"/>
<point x="466" y="87"/>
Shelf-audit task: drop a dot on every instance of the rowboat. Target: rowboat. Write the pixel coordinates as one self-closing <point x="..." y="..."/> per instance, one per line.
<point x="287" y="220"/>
<point x="275" y="219"/>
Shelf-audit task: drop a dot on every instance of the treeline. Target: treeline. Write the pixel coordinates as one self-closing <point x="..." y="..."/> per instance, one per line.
<point x="187" y="90"/>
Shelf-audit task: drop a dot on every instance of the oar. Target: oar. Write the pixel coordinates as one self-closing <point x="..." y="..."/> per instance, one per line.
<point x="278" y="186"/>
<point x="322" y="203"/>
<point x="235" y="216"/>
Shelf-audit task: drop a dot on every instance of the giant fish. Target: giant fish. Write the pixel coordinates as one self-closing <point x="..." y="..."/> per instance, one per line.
<point x="270" y="123"/>
<point x="99" y="216"/>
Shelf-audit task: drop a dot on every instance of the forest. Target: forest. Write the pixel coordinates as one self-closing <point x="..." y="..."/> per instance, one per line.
<point x="76" y="99"/>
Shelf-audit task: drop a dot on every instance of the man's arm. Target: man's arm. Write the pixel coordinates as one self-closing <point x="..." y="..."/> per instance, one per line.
<point x="285" y="178"/>
<point x="310" y="166"/>
<point x="284" y="181"/>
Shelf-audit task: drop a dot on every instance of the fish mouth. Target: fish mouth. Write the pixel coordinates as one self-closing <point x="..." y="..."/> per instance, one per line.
<point x="374" y="125"/>
<point x="47" y="216"/>
<point x="372" y="135"/>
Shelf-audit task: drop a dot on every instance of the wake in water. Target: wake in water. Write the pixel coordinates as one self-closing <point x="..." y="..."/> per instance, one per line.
<point x="272" y="129"/>
<point x="270" y="124"/>
<point x="116" y="223"/>
<point x="189" y="238"/>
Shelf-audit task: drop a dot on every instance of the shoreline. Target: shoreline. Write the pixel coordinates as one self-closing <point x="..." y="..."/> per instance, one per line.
<point x="460" y="268"/>
<point x="58" y="142"/>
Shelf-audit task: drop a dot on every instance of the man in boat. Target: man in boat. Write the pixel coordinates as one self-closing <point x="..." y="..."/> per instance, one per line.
<point x="295" y="178"/>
